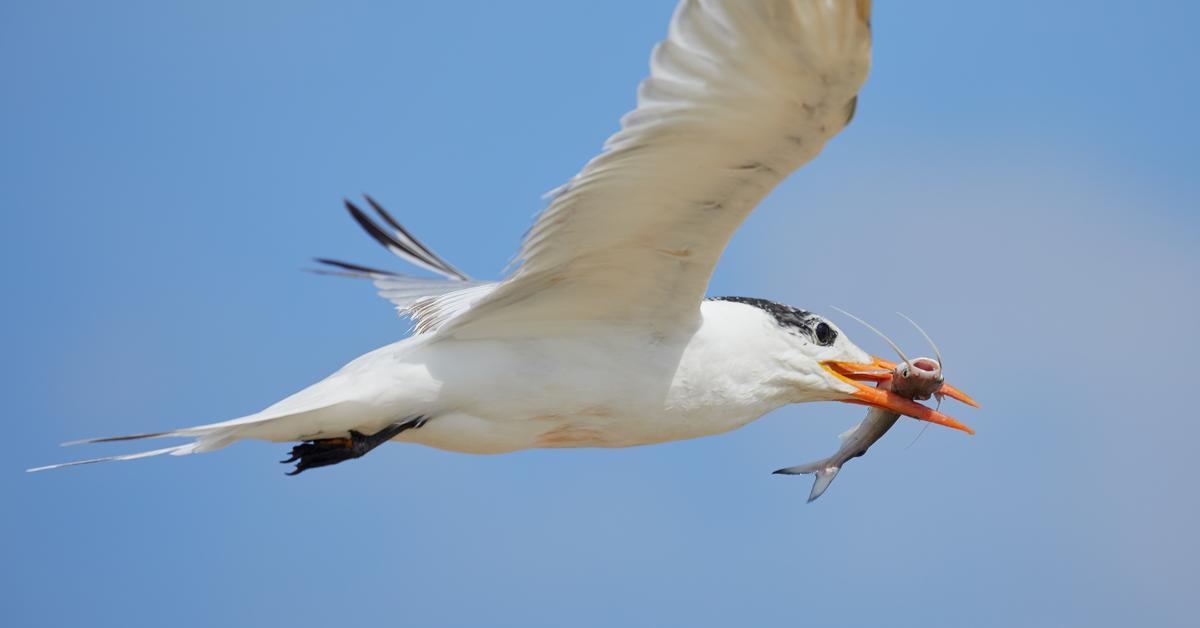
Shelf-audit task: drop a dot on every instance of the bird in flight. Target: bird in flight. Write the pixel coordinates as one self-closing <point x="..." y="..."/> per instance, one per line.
<point x="602" y="335"/>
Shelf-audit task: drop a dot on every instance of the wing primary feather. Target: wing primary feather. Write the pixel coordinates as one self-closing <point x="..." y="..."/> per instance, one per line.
<point x="429" y="255"/>
<point x="376" y="232"/>
<point x="398" y="248"/>
<point x="337" y="273"/>
<point x="361" y="271"/>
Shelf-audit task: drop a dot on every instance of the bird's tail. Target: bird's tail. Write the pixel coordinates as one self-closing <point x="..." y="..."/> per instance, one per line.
<point x="207" y="438"/>
<point x="321" y="409"/>
<point x="824" y="470"/>
<point x="290" y="419"/>
<point x="178" y="450"/>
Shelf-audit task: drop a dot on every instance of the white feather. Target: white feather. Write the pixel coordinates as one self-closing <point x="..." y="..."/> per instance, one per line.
<point x="739" y="95"/>
<point x="431" y="312"/>
<point x="430" y="302"/>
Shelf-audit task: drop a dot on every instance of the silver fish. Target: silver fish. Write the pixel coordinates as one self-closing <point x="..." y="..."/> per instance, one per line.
<point x="918" y="379"/>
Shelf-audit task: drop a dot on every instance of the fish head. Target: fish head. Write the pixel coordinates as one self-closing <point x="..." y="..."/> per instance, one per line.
<point x="918" y="379"/>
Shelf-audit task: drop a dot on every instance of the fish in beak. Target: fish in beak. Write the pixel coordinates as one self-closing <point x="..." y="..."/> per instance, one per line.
<point x="880" y="370"/>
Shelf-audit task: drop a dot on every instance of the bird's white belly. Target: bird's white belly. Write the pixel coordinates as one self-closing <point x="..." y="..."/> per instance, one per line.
<point x="616" y="390"/>
<point x="588" y="427"/>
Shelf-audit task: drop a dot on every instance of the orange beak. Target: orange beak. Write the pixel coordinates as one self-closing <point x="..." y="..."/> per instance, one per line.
<point x="881" y="370"/>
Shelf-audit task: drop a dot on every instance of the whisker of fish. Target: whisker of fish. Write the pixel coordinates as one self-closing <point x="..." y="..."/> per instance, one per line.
<point x="941" y="363"/>
<point x="881" y="334"/>
<point x="925" y="426"/>
<point x="918" y="436"/>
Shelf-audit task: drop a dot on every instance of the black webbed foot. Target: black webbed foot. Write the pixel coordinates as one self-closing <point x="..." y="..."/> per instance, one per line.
<point x="326" y="451"/>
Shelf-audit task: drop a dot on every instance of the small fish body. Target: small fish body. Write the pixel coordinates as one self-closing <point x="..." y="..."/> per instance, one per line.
<point x="855" y="443"/>
<point x="919" y="379"/>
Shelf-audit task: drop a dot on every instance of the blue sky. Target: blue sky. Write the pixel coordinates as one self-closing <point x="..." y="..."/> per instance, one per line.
<point x="1020" y="177"/>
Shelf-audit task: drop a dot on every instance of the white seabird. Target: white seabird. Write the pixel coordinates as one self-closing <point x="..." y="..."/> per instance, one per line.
<point x="602" y="336"/>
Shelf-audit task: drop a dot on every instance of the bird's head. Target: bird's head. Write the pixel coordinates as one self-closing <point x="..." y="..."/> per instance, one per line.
<point x="824" y="364"/>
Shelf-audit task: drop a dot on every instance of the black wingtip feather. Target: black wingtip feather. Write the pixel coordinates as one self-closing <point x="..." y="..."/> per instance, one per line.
<point x="401" y="243"/>
<point x="430" y="256"/>
<point x="373" y="229"/>
<point x="353" y="267"/>
<point x="389" y="242"/>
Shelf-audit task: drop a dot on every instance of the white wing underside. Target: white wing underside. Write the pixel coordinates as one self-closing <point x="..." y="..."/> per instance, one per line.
<point x="739" y="95"/>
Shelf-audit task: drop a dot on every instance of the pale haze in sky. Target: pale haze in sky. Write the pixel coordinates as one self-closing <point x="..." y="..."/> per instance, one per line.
<point x="1020" y="178"/>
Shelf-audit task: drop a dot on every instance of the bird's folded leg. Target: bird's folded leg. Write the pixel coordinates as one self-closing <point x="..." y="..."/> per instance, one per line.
<point x="326" y="451"/>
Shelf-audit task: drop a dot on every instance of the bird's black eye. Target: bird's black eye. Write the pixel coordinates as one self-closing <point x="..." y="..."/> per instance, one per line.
<point x="825" y="334"/>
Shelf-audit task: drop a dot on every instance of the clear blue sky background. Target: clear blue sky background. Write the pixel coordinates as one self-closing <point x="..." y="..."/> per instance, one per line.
<point x="1021" y="177"/>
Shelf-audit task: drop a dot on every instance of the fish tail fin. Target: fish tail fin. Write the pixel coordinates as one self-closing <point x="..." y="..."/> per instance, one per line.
<point x="823" y="480"/>
<point x="824" y="470"/>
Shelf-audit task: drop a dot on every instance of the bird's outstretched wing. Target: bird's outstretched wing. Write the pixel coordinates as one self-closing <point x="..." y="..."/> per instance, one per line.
<point x="740" y="94"/>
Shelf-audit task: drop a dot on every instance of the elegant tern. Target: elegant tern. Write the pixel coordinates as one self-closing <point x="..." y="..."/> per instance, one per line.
<point x="602" y="335"/>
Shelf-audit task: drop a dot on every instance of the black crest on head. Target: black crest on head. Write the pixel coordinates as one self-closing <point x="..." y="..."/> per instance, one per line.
<point x="804" y="322"/>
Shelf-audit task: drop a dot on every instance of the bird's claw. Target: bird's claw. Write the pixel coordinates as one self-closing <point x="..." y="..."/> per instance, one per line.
<point x="327" y="451"/>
